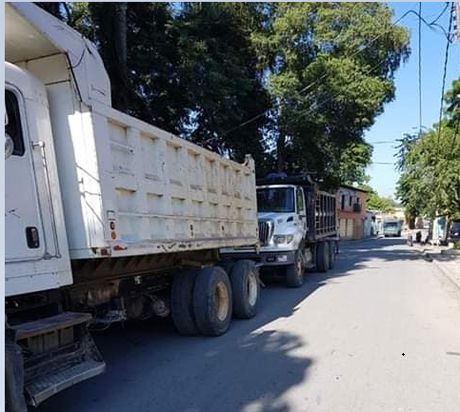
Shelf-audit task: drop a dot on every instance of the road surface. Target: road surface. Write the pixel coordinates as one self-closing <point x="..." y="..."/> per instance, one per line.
<point x="381" y="332"/>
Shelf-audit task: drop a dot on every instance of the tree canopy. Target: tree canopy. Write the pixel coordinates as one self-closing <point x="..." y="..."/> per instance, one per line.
<point x="294" y="84"/>
<point x="376" y="202"/>
<point x="430" y="165"/>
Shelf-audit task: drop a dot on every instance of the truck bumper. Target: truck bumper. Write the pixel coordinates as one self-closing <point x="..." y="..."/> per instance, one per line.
<point x="278" y="258"/>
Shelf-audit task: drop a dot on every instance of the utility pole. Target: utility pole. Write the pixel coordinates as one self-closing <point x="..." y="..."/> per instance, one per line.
<point x="457" y="20"/>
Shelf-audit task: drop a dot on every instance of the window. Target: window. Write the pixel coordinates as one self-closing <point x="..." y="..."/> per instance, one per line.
<point x="342" y="203"/>
<point x="350" y="201"/>
<point x="14" y="128"/>
<point x="300" y="202"/>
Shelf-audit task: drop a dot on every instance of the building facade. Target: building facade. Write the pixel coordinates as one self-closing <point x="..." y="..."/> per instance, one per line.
<point x="351" y="203"/>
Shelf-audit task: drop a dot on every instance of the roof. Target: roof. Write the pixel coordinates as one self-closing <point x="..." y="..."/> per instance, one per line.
<point x="353" y="188"/>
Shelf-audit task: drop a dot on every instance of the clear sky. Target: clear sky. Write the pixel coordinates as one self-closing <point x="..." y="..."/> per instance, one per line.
<point x="401" y="116"/>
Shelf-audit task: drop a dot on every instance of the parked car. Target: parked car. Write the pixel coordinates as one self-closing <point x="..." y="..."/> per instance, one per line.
<point x="454" y="231"/>
<point x="391" y="228"/>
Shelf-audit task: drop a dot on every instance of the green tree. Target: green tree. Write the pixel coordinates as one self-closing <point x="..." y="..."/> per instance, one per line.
<point x="219" y="66"/>
<point x="190" y="68"/>
<point x="331" y="69"/>
<point x="376" y="202"/>
<point x="294" y="84"/>
<point x="430" y="168"/>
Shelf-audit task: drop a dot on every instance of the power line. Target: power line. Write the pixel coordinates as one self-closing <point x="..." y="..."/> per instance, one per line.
<point x="446" y="60"/>
<point x="431" y="25"/>
<point x="420" y="69"/>
<point x="317" y="106"/>
<point x="441" y="14"/>
<point x="382" y="142"/>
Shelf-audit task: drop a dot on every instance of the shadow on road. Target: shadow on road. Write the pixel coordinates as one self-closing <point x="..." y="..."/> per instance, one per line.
<point x="151" y="368"/>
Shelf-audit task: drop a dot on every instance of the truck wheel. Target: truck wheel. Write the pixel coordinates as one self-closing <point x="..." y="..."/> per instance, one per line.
<point x="331" y="255"/>
<point x="295" y="272"/>
<point x="227" y="265"/>
<point x="212" y="301"/>
<point x="182" y="302"/>
<point x="322" y="256"/>
<point x="245" y="289"/>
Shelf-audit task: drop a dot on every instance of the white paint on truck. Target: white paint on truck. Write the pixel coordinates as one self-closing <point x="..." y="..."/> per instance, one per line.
<point x="32" y="195"/>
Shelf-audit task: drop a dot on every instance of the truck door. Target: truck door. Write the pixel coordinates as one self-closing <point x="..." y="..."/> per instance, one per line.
<point x="300" y="203"/>
<point x="24" y="238"/>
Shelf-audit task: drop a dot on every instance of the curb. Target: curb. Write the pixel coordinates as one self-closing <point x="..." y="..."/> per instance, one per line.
<point x="432" y="258"/>
<point x="446" y="274"/>
<point x="450" y="252"/>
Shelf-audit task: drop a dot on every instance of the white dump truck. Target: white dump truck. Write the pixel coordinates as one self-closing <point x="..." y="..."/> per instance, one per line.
<point x="298" y="228"/>
<point x="107" y="218"/>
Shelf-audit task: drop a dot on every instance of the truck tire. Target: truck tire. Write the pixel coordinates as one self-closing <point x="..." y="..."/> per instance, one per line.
<point x="227" y="265"/>
<point x="322" y="257"/>
<point x="295" y="272"/>
<point x="332" y="248"/>
<point x="182" y="302"/>
<point x="212" y="301"/>
<point x="245" y="289"/>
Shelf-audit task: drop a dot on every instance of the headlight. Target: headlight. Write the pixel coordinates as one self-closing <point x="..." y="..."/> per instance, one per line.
<point x="283" y="239"/>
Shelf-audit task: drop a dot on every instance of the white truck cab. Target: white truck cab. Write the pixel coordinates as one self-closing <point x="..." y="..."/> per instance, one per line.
<point x="282" y="222"/>
<point x="36" y="252"/>
<point x="297" y="228"/>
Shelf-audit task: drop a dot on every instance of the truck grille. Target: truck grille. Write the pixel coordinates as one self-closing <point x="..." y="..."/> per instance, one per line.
<point x="265" y="231"/>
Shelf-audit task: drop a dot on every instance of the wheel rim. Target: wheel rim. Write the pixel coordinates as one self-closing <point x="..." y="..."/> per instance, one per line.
<point x="252" y="289"/>
<point x="222" y="301"/>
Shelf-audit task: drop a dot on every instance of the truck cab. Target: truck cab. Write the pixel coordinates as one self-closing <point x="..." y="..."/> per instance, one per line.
<point x="36" y="252"/>
<point x="282" y="222"/>
<point x="297" y="228"/>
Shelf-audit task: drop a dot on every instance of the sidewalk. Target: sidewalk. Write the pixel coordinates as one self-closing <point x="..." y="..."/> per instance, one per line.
<point x="447" y="260"/>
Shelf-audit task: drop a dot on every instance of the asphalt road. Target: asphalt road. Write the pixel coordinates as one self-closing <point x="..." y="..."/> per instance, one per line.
<point x="381" y="332"/>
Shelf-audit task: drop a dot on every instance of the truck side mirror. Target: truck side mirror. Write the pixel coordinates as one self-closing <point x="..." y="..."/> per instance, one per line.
<point x="9" y="146"/>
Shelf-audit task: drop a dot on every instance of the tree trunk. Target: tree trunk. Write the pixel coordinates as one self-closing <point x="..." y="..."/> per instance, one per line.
<point x="120" y="55"/>
<point x="110" y="21"/>
<point x="280" y="148"/>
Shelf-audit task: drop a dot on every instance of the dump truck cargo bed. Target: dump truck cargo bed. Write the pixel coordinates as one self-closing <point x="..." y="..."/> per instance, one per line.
<point x="128" y="188"/>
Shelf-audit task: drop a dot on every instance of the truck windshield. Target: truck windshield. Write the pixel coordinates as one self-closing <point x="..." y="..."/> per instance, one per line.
<point x="278" y="200"/>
